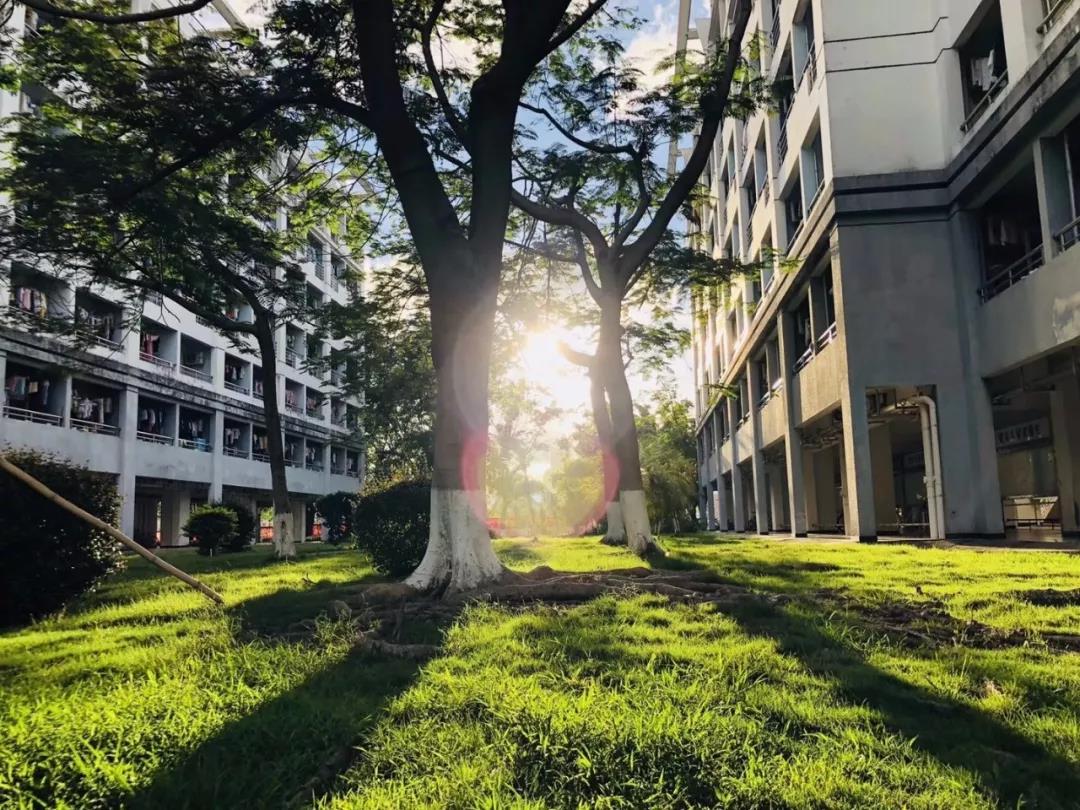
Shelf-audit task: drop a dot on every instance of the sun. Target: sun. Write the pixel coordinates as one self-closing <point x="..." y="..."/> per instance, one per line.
<point x="541" y="364"/>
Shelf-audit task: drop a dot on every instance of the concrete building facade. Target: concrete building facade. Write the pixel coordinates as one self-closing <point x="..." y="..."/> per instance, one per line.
<point x="150" y="393"/>
<point x="910" y="362"/>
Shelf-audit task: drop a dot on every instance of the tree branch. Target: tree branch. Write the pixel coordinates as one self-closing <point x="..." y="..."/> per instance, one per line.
<point x="117" y="19"/>
<point x="566" y="217"/>
<point x="592" y="146"/>
<point x="563" y="36"/>
<point x="684" y="183"/>
<point x="433" y="73"/>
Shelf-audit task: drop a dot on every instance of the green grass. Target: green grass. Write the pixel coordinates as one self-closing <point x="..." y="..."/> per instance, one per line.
<point x="142" y="695"/>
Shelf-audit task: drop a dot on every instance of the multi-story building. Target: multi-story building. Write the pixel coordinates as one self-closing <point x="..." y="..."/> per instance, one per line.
<point x="910" y="364"/>
<point x="162" y="400"/>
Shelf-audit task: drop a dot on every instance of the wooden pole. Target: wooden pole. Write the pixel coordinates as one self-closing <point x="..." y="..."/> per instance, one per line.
<point x="112" y="531"/>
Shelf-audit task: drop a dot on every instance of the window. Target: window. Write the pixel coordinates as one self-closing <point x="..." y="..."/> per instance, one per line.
<point x="793" y="207"/>
<point x="814" y="167"/>
<point x="984" y="73"/>
<point x="830" y="300"/>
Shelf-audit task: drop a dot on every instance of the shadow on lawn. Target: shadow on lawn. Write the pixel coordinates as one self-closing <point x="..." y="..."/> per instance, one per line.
<point x="1011" y="767"/>
<point x="292" y="747"/>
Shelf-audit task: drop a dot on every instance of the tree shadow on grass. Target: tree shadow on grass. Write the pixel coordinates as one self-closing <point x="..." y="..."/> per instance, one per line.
<point x="291" y="748"/>
<point x="1011" y="767"/>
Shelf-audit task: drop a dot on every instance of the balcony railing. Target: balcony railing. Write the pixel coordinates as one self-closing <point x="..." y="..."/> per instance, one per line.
<point x="774" y="33"/>
<point x="202" y="445"/>
<point x="294" y="409"/>
<point x="1018" y="270"/>
<point x="316" y="412"/>
<point x="1068" y="236"/>
<point x="1052" y="10"/>
<point x="352" y="473"/>
<point x="782" y="143"/>
<point x="984" y="104"/>
<point x="157" y="361"/>
<point x="197" y="373"/>
<point x="804" y="360"/>
<point x="28" y="415"/>
<point x="259" y="456"/>
<point x="764" y="399"/>
<point x="826" y="337"/>
<point x="337" y="469"/>
<point x="239" y="389"/>
<point x="291" y="358"/>
<point x="289" y="462"/>
<point x="315" y="466"/>
<point x="87" y="426"/>
<point x="235" y="452"/>
<point x="98" y="340"/>
<point x="809" y="72"/>
<point x="153" y="438"/>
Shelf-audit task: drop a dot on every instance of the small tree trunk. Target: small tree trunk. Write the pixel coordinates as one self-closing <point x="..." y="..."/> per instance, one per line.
<point x="284" y="531"/>
<point x="459" y="554"/>
<point x="615" y="534"/>
<point x="635" y="513"/>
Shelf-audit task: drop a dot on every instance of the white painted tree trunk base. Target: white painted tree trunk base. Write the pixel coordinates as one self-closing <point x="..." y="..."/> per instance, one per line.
<point x="635" y="515"/>
<point x="284" y="537"/>
<point x="459" y="554"/>
<point x="616" y="532"/>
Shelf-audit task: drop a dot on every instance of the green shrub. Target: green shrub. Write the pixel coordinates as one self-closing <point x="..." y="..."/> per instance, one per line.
<point x="391" y="524"/>
<point x="337" y="512"/>
<point x="47" y="555"/>
<point x="211" y="527"/>
<point x="245" y="528"/>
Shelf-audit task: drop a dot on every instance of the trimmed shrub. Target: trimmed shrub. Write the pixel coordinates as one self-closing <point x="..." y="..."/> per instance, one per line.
<point x="337" y="512"/>
<point x="391" y="524"/>
<point x="211" y="527"/>
<point x="245" y="528"/>
<point x="47" y="555"/>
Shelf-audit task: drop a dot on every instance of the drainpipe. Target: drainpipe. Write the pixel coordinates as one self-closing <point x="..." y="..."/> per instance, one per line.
<point x="928" y="412"/>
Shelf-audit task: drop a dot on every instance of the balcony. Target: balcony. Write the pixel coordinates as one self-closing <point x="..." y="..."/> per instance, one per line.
<point x="153" y="438"/>
<point x="803" y="360"/>
<point x="826" y="337"/>
<point x="1018" y="270"/>
<point x="202" y="445"/>
<point x="980" y="109"/>
<point x="235" y="452"/>
<point x="29" y="415"/>
<point x="1053" y="12"/>
<point x="774" y="33"/>
<point x="196" y="373"/>
<point x="157" y="361"/>
<point x="1068" y="236"/>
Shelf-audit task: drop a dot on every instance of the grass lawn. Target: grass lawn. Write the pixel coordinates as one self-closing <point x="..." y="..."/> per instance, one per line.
<point x="142" y="695"/>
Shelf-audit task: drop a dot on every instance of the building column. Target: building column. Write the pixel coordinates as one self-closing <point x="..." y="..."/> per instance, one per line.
<point x="761" y="498"/>
<point x="217" y="369"/>
<point x="860" y="522"/>
<point x="3" y="393"/>
<point x="882" y="474"/>
<point x="129" y="422"/>
<point x="1065" y="426"/>
<point x="65" y="399"/>
<point x="720" y="498"/>
<point x="703" y="503"/>
<point x="217" y="455"/>
<point x="737" y="501"/>
<point x="793" y="451"/>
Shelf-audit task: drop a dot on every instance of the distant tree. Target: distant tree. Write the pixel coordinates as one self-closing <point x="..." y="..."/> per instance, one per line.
<point x="595" y="180"/>
<point x="669" y="462"/>
<point x="107" y="188"/>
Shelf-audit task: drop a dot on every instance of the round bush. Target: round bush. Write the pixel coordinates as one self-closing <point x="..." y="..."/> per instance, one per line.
<point x="47" y="555"/>
<point x="337" y="512"/>
<point x="391" y="524"/>
<point x="211" y="527"/>
<point x="245" y="528"/>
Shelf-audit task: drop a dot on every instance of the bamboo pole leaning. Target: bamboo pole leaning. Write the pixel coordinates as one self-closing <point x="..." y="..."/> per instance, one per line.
<point x="112" y="531"/>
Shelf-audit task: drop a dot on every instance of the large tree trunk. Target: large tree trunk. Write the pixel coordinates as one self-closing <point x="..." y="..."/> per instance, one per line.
<point x="635" y="513"/>
<point x="284" y="531"/>
<point x="615" y="534"/>
<point x="459" y="554"/>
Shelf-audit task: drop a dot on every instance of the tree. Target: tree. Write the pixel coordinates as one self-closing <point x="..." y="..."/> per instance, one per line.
<point x="610" y="205"/>
<point x="109" y="191"/>
<point x="669" y="462"/>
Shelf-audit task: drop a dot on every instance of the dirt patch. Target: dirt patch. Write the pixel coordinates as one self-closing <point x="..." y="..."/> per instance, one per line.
<point x="1049" y="597"/>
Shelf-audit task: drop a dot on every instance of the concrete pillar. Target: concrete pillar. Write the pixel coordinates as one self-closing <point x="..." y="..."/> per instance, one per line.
<point x="129" y="421"/>
<point x="860" y="521"/>
<point x="1065" y="426"/>
<point x="1052" y="188"/>
<point x="881" y="464"/>
<point x="823" y="474"/>
<point x="705" y="505"/>
<point x="761" y="499"/>
<point x="217" y="455"/>
<point x="64" y="399"/>
<point x="719" y="498"/>
<point x="175" y="508"/>
<point x="737" y="502"/>
<point x="793" y="451"/>
<point x="217" y="369"/>
<point x="3" y="392"/>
